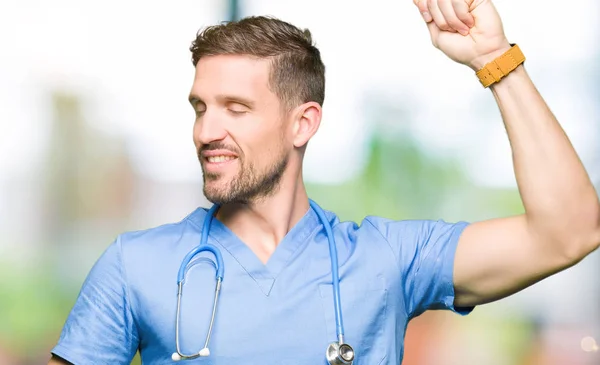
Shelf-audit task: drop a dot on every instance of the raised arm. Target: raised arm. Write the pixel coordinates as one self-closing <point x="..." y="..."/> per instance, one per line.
<point x="561" y="224"/>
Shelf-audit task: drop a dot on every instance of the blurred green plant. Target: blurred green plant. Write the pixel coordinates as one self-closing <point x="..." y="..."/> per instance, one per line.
<point x="33" y="308"/>
<point x="400" y="181"/>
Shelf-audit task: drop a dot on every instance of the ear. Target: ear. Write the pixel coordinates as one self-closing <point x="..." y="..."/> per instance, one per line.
<point x="307" y="119"/>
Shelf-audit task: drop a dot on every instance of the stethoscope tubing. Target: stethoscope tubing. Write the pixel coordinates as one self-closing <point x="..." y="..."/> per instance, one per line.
<point x="335" y="280"/>
<point x="203" y="246"/>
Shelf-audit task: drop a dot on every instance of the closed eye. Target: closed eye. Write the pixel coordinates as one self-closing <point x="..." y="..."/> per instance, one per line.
<point x="199" y="106"/>
<point x="236" y="111"/>
<point x="236" y="107"/>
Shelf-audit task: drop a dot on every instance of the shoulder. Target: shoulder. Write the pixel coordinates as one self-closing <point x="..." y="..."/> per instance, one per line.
<point x="163" y="236"/>
<point x="392" y="229"/>
<point x="147" y="258"/>
<point x="375" y="232"/>
<point x="414" y="228"/>
<point x="405" y="237"/>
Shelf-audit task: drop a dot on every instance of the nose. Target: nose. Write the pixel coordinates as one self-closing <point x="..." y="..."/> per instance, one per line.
<point x="209" y="128"/>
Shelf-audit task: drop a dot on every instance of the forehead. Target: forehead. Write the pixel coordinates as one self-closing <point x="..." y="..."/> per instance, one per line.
<point x="231" y="74"/>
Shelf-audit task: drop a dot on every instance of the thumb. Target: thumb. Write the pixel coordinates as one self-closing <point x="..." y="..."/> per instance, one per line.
<point x="422" y="5"/>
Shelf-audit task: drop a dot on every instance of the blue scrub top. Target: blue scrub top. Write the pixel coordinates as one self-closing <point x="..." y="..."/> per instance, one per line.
<point x="278" y="313"/>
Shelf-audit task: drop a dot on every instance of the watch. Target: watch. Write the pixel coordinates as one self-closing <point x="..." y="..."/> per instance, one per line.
<point x="501" y="66"/>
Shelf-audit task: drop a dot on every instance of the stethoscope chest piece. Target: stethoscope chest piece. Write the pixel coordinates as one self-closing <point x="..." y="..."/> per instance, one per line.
<point x="339" y="354"/>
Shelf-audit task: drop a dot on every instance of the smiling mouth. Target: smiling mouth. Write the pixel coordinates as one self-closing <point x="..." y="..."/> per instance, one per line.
<point x="220" y="159"/>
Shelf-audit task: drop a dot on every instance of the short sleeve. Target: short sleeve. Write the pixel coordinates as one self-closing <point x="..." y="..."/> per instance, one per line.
<point x="100" y="327"/>
<point x="425" y="250"/>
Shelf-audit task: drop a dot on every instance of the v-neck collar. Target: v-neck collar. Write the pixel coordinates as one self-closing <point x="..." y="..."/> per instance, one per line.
<point x="265" y="274"/>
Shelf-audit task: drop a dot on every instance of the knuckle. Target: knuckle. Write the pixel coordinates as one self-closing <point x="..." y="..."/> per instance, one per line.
<point x="455" y="23"/>
<point x="462" y="17"/>
<point x="444" y="26"/>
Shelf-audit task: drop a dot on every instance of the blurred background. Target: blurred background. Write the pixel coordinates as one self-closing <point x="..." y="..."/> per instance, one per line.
<point x="95" y="139"/>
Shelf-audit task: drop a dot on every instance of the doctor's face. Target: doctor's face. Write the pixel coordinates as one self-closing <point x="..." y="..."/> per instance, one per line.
<point x="240" y="130"/>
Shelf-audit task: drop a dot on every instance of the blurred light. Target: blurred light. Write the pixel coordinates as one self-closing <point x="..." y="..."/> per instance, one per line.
<point x="588" y="344"/>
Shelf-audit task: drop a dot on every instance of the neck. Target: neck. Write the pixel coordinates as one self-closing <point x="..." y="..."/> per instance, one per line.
<point x="262" y="224"/>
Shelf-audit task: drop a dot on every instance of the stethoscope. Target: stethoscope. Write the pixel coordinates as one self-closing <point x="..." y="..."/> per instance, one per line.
<point x="337" y="353"/>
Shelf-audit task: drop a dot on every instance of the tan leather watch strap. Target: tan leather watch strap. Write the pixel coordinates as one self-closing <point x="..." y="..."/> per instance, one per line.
<point x="501" y="66"/>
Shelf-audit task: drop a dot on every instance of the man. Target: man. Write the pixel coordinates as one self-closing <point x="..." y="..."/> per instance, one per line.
<point x="257" y="94"/>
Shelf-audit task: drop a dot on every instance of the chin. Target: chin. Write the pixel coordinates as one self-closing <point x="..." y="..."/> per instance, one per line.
<point x="216" y="191"/>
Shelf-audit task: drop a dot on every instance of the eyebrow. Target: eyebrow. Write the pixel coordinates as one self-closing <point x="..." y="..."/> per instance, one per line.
<point x="194" y="99"/>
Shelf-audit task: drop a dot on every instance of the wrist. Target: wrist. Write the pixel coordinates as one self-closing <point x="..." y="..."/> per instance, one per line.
<point x="509" y="80"/>
<point x="479" y="62"/>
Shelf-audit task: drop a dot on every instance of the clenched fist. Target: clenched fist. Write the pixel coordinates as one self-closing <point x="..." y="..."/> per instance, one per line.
<point x="468" y="31"/>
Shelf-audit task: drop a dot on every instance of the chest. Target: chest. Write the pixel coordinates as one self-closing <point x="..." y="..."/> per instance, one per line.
<point x="288" y="318"/>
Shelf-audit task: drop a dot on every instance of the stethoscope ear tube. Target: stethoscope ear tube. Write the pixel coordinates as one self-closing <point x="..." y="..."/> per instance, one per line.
<point x="176" y="356"/>
<point x="220" y="269"/>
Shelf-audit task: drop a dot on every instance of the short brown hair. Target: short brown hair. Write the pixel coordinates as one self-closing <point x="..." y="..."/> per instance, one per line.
<point x="297" y="72"/>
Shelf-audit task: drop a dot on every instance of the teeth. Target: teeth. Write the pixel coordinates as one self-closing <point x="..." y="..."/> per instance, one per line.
<point x="220" y="158"/>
